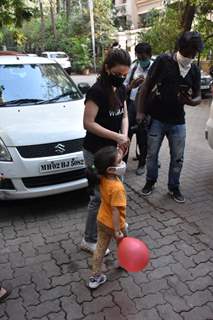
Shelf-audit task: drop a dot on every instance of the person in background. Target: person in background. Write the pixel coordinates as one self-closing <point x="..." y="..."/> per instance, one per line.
<point x="211" y="71"/>
<point x="115" y="45"/>
<point x="106" y="124"/>
<point x="172" y="82"/>
<point x="134" y="80"/>
<point x="108" y="167"/>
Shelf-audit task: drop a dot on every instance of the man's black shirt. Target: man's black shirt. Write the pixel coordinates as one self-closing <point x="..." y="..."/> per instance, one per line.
<point x="165" y="106"/>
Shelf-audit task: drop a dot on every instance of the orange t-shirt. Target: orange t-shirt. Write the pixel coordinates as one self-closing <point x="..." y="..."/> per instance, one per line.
<point x="112" y="195"/>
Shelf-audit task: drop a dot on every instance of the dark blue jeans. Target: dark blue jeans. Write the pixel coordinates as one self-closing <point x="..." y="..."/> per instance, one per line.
<point x="176" y="135"/>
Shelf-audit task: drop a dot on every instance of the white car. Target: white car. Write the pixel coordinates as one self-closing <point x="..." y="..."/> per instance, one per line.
<point x="209" y="127"/>
<point x="41" y="129"/>
<point x="60" y="57"/>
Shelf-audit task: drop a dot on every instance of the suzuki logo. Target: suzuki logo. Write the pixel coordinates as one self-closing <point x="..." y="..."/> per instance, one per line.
<point x="60" y="148"/>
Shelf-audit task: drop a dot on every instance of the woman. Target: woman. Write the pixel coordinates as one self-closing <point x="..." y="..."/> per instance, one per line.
<point x="106" y="123"/>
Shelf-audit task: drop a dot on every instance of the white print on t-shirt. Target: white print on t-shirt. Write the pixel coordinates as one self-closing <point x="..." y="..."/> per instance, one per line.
<point x="116" y="113"/>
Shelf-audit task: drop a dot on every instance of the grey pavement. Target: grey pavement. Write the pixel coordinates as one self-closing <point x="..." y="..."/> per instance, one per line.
<point x="40" y="256"/>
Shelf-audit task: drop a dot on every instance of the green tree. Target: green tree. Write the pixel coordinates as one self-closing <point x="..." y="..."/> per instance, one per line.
<point x="194" y="9"/>
<point x="176" y="18"/>
<point x="103" y="20"/>
<point x="164" y="31"/>
<point x="14" y="12"/>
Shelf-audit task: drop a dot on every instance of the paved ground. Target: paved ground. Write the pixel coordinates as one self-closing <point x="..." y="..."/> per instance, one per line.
<point x="40" y="256"/>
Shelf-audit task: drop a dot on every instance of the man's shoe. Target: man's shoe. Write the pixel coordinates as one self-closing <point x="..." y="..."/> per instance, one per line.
<point x="148" y="188"/>
<point x="177" y="195"/>
<point x="96" y="281"/>
<point x="140" y="170"/>
<point x="90" y="247"/>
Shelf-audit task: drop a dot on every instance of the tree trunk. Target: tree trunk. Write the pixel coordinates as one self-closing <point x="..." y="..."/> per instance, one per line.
<point x="42" y="27"/>
<point x="80" y="7"/>
<point x="52" y="13"/>
<point x="188" y="16"/>
<point x="68" y="7"/>
<point x="58" y="6"/>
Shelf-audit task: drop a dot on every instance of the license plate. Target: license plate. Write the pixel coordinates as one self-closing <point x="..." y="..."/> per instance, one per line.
<point x="204" y="87"/>
<point x="60" y="165"/>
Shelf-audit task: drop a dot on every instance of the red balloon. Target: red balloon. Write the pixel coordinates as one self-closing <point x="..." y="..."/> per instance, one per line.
<point x="133" y="254"/>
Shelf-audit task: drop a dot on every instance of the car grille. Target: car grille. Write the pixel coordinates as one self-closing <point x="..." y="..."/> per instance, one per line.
<point x="51" y="149"/>
<point x="53" y="179"/>
<point x="6" y="184"/>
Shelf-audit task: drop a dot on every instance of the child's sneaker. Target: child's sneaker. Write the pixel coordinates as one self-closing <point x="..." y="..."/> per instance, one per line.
<point x="96" y="281"/>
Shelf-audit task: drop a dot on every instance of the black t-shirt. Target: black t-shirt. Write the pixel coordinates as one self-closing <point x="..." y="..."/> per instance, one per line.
<point x="165" y="106"/>
<point x="107" y="117"/>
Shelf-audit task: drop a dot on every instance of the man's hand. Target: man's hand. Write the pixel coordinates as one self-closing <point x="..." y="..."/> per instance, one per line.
<point x="140" y="117"/>
<point x="136" y="82"/>
<point x="185" y="98"/>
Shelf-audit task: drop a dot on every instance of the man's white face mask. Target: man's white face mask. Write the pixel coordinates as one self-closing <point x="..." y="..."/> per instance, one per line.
<point x="184" y="64"/>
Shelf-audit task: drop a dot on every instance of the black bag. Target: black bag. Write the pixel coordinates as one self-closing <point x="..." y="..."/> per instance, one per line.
<point x="149" y="100"/>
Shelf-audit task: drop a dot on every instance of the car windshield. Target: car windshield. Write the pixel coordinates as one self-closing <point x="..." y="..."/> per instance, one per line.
<point x="35" y="83"/>
<point x="58" y="55"/>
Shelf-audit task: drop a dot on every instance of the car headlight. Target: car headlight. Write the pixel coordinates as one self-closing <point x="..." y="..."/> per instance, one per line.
<point x="4" y="153"/>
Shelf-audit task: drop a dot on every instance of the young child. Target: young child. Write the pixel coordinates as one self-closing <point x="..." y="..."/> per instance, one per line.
<point x="108" y="166"/>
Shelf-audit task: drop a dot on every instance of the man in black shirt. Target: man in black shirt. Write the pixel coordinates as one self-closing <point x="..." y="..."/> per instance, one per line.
<point x="172" y="82"/>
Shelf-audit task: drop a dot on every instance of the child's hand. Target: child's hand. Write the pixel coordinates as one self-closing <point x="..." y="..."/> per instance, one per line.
<point x="123" y="148"/>
<point x="119" y="236"/>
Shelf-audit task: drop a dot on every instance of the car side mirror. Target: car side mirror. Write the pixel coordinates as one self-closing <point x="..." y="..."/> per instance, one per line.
<point x="84" y="87"/>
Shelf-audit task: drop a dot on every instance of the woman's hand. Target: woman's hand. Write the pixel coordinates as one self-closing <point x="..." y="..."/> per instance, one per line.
<point x="121" y="139"/>
<point x="2" y="177"/>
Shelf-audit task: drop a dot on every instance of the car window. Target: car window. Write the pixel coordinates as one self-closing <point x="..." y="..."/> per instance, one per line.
<point x="36" y="81"/>
<point x="44" y="55"/>
<point x="58" y="55"/>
